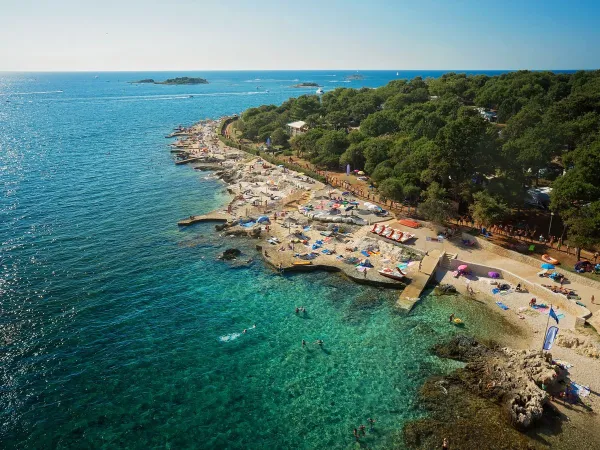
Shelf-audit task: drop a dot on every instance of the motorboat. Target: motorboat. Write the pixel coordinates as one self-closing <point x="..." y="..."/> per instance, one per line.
<point x="397" y="274"/>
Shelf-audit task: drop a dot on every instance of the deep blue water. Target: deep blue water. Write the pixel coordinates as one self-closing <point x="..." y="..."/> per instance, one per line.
<point x="111" y="315"/>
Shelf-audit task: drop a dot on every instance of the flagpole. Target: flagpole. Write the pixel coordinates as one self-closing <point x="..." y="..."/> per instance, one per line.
<point x="545" y="331"/>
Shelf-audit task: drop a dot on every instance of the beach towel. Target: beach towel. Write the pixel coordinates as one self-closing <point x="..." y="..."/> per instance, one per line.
<point x="364" y="252"/>
<point x="502" y="305"/>
<point x="578" y="389"/>
<point x="495" y="291"/>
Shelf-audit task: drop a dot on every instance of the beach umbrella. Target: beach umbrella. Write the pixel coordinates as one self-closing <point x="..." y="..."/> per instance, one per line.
<point x="547" y="266"/>
<point x="462" y="267"/>
<point x="361" y="172"/>
<point x="493" y="274"/>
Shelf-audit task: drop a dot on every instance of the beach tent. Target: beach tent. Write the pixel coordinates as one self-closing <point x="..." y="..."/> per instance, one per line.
<point x="263" y="219"/>
<point x="493" y="274"/>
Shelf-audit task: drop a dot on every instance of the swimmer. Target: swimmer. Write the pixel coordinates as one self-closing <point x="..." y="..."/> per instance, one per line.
<point x="297" y="310"/>
<point x="362" y="430"/>
<point x="356" y="434"/>
<point x="303" y="343"/>
<point x="254" y="326"/>
<point x="451" y="317"/>
<point x="371" y="422"/>
<point x="244" y="331"/>
<point x="319" y="342"/>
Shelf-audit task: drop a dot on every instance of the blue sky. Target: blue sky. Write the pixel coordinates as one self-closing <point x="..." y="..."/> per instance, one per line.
<point x="302" y="34"/>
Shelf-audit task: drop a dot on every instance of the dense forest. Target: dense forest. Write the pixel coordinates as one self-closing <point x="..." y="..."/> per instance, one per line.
<point x="458" y="143"/>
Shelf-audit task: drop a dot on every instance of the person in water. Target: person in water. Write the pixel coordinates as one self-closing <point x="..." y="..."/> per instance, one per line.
<point x="303" y="343"/>
<point x="371" y="422"/>
<point x="245" y="331"/>
<point x="356" y="435"/>
<point x="451" y="317"/>
<point x="297" y="310"/>
<point x="319" y="342"/>
<point x="361" y="429"/>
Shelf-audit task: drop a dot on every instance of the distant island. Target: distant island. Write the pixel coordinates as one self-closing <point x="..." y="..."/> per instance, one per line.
<point x="355" y="77"/>
<point x="301" y="85"/>
<point x="180" y="80"/>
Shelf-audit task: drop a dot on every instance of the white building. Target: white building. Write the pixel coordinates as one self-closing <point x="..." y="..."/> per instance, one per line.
<point x="296" y="128"/>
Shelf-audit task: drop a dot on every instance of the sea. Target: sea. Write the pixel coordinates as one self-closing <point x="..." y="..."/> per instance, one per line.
<point x="120" y="330"/>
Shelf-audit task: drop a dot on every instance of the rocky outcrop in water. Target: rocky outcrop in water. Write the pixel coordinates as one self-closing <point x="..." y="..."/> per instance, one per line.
<point x="498" y="393"/>
<point x="445" y="289"/>
<point x="230" y="254"/>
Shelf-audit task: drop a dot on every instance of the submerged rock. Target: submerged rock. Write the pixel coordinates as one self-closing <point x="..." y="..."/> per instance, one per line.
<point x="445" y="289"/>
<point x="229" y="254"/>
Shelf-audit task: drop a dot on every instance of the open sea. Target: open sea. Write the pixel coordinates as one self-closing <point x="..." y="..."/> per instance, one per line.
<point x="120" y="330"/>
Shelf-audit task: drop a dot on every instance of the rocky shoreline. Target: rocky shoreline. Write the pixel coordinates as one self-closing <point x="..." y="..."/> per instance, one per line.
<point x="499" y="392"/>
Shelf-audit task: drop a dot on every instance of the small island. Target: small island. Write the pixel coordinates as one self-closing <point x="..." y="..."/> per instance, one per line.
<point x="356" y="76"/>
<point x="301" y="85"/>
<point x="170" y="81"/>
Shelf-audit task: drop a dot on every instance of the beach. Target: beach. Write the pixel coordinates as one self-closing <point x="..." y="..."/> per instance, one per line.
<point x="300" y="224"/>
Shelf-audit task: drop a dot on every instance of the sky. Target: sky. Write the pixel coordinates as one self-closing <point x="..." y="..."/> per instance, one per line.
<point x="137" y="35"/>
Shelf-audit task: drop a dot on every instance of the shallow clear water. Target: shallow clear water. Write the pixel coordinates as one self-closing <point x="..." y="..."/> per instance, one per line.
<point x="112" y="316"/>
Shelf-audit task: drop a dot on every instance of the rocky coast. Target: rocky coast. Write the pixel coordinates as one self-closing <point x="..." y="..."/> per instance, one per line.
<point x="508" y="395"/>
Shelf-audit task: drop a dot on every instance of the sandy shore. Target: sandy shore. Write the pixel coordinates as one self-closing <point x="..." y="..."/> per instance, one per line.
<point x="293" y="234"/>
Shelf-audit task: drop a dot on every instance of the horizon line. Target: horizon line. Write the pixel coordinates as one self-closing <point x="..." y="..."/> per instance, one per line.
<point x="295" y="70"/>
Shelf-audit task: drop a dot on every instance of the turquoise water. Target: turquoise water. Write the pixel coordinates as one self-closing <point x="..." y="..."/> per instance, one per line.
<point x="111" y="316"/>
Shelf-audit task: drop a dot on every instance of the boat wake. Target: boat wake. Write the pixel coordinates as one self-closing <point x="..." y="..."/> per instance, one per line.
<point x="33" y="93"/>
<point x="138" y="98"/>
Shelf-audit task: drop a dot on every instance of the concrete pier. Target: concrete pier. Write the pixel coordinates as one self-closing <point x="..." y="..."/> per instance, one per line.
<point x="411" y="294"/>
